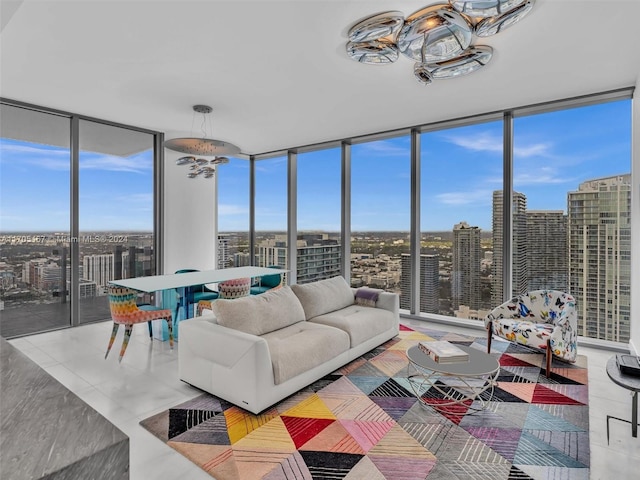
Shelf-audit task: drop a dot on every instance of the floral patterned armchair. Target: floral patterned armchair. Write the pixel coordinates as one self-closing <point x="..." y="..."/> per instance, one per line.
<point x="542" y="319"/>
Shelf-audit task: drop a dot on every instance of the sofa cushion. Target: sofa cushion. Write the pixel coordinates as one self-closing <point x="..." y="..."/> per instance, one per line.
<point x="324" y="296"/>
<point x="259" y="314"/>
<point x="303" y="346"/>
<point x="361" y="323"/>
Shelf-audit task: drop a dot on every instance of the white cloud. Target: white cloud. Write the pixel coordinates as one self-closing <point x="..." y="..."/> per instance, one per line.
<point x="382" y="148"/>
<point x="115" y="164"/>
<point x="488" y="142"/>
<point x="471" y="197"/>
<point x="228" y="209"/>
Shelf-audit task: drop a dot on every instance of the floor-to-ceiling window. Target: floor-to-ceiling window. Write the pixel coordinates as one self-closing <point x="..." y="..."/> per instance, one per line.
<point x="115" y="212"/>
<point x="380" y="215"/>
<point x="461" y="168"/>
<point x="34" y="226"/>
<point x="319" y="250"/>
<point x="233" y="214"/>
<point x="572" y="170"/>
<point x="271" y="212"/>
<point x="69" y="228"/>
<point x="564" y="222"/>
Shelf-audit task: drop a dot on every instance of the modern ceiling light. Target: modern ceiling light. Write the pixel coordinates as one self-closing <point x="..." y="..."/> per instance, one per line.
<point x="204" y="146"/>
<point x="434" y="34"/>
<point x="492" y="25"/>
<point x="437" y="37"/>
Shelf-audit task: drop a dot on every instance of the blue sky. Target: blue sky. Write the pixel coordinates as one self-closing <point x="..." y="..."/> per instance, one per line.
<point x="116" y="193"/>
<point x="461" y="167"/>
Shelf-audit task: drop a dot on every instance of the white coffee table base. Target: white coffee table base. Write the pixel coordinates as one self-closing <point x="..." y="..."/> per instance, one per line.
<point x="457" y="385"/>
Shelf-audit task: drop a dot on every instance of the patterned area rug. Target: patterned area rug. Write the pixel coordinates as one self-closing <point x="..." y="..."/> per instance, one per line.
<point x="363" y="422"/>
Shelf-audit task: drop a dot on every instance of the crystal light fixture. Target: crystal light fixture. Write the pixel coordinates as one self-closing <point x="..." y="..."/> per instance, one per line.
<point x="437" y="37"/>
<point x="195" y="147"/>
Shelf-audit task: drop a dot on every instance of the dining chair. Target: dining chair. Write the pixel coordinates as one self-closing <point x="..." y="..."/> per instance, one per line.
<point x="197" y="293"/>
<point x="229" y="289"/>
<point x="267" y="282"/>
<point x="125" y="311"/>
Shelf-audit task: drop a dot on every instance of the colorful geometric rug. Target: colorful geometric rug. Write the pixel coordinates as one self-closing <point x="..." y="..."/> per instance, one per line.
<point x="363" y="422"/>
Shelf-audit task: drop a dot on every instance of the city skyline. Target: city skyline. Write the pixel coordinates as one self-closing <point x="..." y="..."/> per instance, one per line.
<point x="461" y="167"/>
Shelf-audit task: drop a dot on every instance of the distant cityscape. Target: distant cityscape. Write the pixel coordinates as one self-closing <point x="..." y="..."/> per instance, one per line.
<point x="585" y="251"/>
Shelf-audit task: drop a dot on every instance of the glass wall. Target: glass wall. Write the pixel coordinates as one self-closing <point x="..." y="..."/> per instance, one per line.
<point x="233" y="214"/>
<point x="461" y="168"/>
<point x="271" y="212"/>
<point x="115" y="212"/>
<point x="34" y="227"/>
<point x="572" y="171"/>
<point x="319" y="251"/>
<point x="112" y="232"/>
<point x="381" y="215"/>
<point x="570" y="203"/>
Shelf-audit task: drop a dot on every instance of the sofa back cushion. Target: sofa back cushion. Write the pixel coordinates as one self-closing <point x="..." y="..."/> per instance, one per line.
<point x="324" y="296"/>
<point x="259" y="314"/>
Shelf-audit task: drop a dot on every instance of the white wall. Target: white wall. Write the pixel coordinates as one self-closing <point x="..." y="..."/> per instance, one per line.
<point x="634" y="343"/>
<point x="189" y="218"/>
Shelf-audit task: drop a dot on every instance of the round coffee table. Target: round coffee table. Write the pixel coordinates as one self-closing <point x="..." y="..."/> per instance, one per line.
<point x="458" y="384"/>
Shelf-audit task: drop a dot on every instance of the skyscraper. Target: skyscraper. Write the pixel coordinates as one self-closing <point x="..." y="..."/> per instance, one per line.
<point x="99" y="268"/>
<point x="599" y="216"/>
<point x="465" y="271"/>
<point x="518" y="247"/>
<point x="429" y="283"/>
<point x="547" y="250"/>
<point x="223" y="251"/>
<point x="318" y="256"/>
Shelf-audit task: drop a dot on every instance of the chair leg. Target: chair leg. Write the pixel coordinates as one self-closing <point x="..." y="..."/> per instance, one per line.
<point x="125" y="342"/>
<point x="489" y="336"/>
<point x="150" y="330"/>
<point x="548" y="358"/>
<point x="170" y="328"/>
<point x="113" y="337"/>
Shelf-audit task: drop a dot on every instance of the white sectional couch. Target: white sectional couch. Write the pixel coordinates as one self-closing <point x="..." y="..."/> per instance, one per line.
<point x="255" y="351"/>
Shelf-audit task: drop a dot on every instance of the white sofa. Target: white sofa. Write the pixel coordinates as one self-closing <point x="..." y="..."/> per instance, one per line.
<point x="255" y="351"/>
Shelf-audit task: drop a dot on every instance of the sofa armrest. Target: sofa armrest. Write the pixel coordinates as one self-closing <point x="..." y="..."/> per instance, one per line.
<point x="221" y="345"/>
<point x="389" y="301"/>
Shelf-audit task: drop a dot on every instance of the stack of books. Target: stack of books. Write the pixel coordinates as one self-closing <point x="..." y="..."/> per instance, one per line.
<point x="444" y="352"/>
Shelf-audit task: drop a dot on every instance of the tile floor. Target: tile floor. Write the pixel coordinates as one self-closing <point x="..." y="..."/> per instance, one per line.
<point x="146" y="382"/>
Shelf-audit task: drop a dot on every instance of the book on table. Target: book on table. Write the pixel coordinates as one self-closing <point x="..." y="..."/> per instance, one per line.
<point x="444" y="352"/>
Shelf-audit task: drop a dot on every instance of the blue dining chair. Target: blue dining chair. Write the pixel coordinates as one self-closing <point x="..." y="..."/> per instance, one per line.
<point x="196" y="292"/>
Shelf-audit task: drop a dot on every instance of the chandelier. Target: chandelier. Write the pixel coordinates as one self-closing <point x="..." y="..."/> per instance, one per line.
<point x="437" y="37"/>
<point x="201" y="147"/>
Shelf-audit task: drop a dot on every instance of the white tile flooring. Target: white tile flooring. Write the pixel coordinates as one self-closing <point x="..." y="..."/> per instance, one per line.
<point x="146" y="382"/>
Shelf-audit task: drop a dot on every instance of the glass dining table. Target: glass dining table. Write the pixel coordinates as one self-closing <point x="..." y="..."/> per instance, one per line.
<point x="182" y="281"/>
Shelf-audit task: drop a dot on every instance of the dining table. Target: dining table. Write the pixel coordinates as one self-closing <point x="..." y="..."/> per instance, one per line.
<point x="182" y="281"/>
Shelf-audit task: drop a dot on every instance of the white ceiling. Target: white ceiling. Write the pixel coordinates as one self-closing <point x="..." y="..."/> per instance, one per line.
<point x="276" y="72"/>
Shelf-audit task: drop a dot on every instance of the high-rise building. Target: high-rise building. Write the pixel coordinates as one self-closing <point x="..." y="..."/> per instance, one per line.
<point x="599" y="216"/>
<point x="223" y="253"/>
<point x="241" y="259"/>
<point x="318" y="256"/>
<point x="547" y="250"/>
<point x="518" y="248"/>
<point x="465" y="271"/>
<point x="99" y="268"/>
<point x="429" y="283"/>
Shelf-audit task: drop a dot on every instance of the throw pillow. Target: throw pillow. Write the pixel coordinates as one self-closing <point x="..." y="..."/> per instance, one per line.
<point x="367" y="297"/>
<point x="259" y="314"/>
<point x="323" y="296"/>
